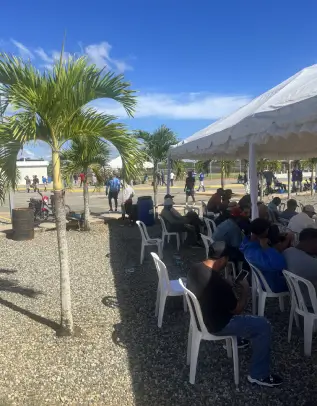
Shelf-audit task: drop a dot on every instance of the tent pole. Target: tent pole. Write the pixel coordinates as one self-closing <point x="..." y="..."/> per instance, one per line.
<point x="253" y="179"/>
<point x="168" y="187"/>
<point x="289" y="188"/>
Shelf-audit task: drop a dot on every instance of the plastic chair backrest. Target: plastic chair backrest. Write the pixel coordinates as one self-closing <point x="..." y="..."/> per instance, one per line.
<point x="143" y="230"/>
<point x="204" y="205"/>
<point x="259" y="279"/>
<point x="206" y="239"/>
<point x="161" y="272"/>
<point x="163" y="225"/>
<point x="293" y="282"/>
<point x="194" y="309"/>
<point x="211" y="226"/>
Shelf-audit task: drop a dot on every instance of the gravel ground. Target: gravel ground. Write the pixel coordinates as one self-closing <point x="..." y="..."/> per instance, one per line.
<point x="121" y="358"/>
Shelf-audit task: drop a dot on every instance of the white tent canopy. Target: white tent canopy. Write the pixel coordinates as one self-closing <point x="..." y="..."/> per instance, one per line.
<point x="117" y="164"/>
<point x="281" y="123"/>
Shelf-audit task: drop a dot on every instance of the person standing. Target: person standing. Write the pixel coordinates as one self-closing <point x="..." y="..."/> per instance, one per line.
<point x="27" y="183"/>
<point x="82" y="179"/>
<point x="44" y="181"/>
<point x="163" y="178"/>
<point x="158" y="179"/>
<point x="201" y="182"/>
<point x="190" y="187"/>
<point x="172" y="176"/>
<point x="112" y="191"/>
<point x="75" y="177"/>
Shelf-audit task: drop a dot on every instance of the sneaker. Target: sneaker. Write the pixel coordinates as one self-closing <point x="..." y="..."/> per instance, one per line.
<point x="110" y="210"/>
<point x="270" y="381"/>
<point x="115" y="209"/>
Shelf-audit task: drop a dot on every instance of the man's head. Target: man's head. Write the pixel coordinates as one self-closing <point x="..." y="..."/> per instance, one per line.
<point x="276" y="201"/>
<point x="168" y="201"/>
<point x="308" y="241"/>
<point x="227" y="194"/>
<point x="220" y="191"/>
<point x="114" y="175"/>
<point x="260" y="228"/>
<point x="219" y="257"/>
<point x="292" y="205"/>
<point x="309" y="210"/>
<point x="232" y="205"/>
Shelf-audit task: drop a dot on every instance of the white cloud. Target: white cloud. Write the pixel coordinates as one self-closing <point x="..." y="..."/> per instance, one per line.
<point x="185" y="106"/>
<point x="99" y="54"/>
<point x="44" y="56"/>
<point x="27" y="153"/>
<point x="23" y="50"/>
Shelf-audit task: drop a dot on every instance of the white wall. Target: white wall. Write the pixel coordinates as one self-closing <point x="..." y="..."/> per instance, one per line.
<point x="31" y="168"/>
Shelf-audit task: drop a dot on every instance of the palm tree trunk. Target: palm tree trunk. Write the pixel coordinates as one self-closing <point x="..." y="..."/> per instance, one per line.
<point x="67" y="326"/>
<point x="155" y="169"/>
<point x="86" y="206"/>
<point x="222" y="175"/>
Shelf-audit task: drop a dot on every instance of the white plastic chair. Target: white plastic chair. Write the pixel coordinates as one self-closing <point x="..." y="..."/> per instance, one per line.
<point x="298" y="306"/>
<point x="191" y="208"/>
<point x="146" y="240"/>
<point x="198" y="332"/>
<point x="205" y="211"/>
<point x="211" y="226"/>
<point x="165" y="287"/>
<point x="257" y="289"/>
<point x="168" y="234"/>
<point x="207" y="243"/>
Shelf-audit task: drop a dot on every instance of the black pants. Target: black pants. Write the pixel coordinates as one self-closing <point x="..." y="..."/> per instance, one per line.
<point x="113" y="195"/>
<point x="172" y="182"/>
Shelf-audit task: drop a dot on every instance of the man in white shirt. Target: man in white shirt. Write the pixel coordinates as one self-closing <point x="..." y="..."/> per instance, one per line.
<point x="172" y="176"/>
<point x="303" y="220"/>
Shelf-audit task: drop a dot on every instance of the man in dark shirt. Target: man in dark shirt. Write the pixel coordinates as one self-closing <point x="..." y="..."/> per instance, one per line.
<point x="190" y="186"/>
<point x="222" y="310"/>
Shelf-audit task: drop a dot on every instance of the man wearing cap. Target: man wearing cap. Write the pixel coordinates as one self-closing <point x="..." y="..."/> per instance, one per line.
<point x="303" y="220"/>
<point x="290" y="211"/>
<point x="175" y="222"/>
<point x="214" y="203"/>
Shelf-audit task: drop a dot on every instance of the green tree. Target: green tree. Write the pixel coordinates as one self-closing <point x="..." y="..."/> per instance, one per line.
<point x="225" y="170"/>
<point x="179" y="167"/>
<point x="52" y="106"/>
<point x="311" y="165"/>
<point x="202" y="166"/>
<point x="83" y="155"/>
<point x="156" y="146"/>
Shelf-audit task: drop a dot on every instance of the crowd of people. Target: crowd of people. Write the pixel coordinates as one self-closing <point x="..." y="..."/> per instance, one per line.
<point x="260" y="243"/>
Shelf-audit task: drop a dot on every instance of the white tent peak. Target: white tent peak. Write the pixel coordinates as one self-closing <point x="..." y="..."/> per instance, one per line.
<point x="117" y="164"/>
<point x="287" y="111"/>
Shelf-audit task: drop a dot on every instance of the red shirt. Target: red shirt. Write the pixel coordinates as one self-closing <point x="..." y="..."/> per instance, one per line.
<point x="82" y="176"/>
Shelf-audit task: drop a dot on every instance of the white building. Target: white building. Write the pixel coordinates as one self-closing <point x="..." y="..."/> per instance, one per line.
<point x="32" y="167"/>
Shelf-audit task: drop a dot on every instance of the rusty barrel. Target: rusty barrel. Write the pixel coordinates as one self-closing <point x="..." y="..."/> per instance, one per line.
<point x="22" y="224"/>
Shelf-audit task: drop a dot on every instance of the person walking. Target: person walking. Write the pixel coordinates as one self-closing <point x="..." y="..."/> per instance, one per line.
<point x="201" y="182"/>
<point x="27" y="183"/>
<point x="44" y="181"/>
<point x="172" y="176"/>
<point x="82" y="179"/>
<point x="158" y="179"/>
<point x="112" y="191"/>
<point x="190" y="187"/>
<point x="163" y="178"/>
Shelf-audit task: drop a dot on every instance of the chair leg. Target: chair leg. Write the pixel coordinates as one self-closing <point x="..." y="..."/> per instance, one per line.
<point x="194" y="357"/>
<point x="253" y="297"/>
<point x="163" y="240"/>
<point x="281" y="300"/>
<point x="290" y="323"/>
<point x="189" y="344"/>
<point x="157" y="303"/>
<point x="142" y="254"/>
<point x="235" y="360"/>
<point x="161" y="309"/>
<point x="168" y="238"/>
<point x="178" y="241"/>
<point x="308" y="335"/>
<point x="229" y="347"/>
<point x="261" y="305"/>
<point x="160" y="250"/>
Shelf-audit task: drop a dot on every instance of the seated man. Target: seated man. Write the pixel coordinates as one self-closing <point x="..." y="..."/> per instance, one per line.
<point x="245" y="201"/>
<point x="227" y="195"/>
<point x="303" y="220"/>
<point x="225" y="214"/>
<point x="302" y="260"/>
<point x="221" y="311"/>
<point x="258" y="252"/>
<point x="273" y="209"/>
<point x="175" y="222"/>
<point x="230" y="232"/>
<point x="214" y="202"/>
<point x="290" y="211"/>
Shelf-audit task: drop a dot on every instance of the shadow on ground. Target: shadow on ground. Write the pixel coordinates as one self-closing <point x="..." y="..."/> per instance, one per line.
<point x="157" y="357"/>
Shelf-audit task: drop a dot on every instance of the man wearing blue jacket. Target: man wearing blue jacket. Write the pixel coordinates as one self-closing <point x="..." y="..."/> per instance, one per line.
<point x="268" y="259"/>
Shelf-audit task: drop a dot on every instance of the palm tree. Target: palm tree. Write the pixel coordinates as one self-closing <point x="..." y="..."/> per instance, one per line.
<point x="179" y="168"/>
<point x="51" y="106"/>
<point x="311" y="164"/>
<point x="83" y="155"/>
<point x="225" y="170"/>
<point x="156" y="146"/>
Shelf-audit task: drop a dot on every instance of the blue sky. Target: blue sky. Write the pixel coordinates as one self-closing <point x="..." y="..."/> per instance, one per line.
<point x="191" y="61"/>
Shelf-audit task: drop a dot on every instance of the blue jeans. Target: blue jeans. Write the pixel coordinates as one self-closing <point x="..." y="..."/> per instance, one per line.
<point x="258" y="330"/>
